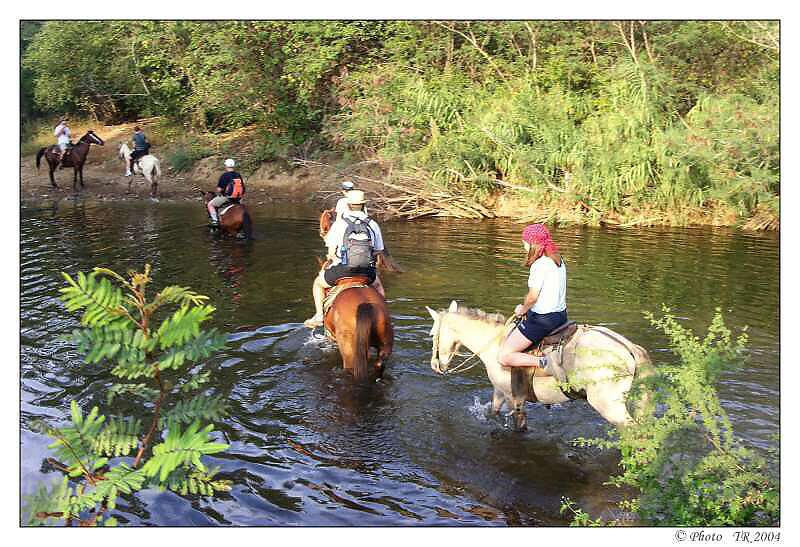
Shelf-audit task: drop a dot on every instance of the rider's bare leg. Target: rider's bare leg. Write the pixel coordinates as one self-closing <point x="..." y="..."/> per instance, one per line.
<point x="318" y="291"/>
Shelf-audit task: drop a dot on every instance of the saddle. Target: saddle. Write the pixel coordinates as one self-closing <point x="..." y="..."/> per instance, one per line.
<point x="342" y="284"/>
<point x="558" y="337"/>
<point x="227" y="207"/>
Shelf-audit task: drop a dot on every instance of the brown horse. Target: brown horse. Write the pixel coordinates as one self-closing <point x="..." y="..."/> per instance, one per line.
<point x="236" y="221"/>
<point x="358" y="320"/>
<point x="384" y="260"/>
<point x="74" y="157"/>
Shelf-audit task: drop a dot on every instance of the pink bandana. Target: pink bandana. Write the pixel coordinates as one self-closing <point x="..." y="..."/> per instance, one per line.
<point x="537" y="234"/>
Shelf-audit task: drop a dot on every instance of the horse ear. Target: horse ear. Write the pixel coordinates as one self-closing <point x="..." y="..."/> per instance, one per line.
<point x="453" y="306"/>
<point x="433" y="313"/>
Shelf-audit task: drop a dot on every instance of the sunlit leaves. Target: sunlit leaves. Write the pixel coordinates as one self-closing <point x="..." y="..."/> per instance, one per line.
<point x="180" y="449"/>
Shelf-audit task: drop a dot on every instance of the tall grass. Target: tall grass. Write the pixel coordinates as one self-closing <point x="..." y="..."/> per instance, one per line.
<point x="615" y="147"/>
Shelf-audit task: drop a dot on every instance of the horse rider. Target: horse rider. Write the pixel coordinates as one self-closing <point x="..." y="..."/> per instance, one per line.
<point x="230" y="189"/>
<point x="341" y="205"/>
<point x="353" y="243"/>
<point x="141" y="147"/>
<point x="545" y="304"/>
<point x="62" y="134"/>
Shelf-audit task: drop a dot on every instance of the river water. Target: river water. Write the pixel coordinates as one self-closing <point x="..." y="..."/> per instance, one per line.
<point x="308" y="447"/>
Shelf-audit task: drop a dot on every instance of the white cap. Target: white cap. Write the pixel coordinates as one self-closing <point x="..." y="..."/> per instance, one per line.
<point x="230" y="163"/>
<point x="355" y="197"/>
<point x="347" y="185"/>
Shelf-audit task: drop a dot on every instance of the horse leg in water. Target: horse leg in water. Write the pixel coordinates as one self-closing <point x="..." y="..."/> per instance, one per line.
<point x="520" y="380"/>
<point x="52" y="168"/>
<point x="383" y="340"/>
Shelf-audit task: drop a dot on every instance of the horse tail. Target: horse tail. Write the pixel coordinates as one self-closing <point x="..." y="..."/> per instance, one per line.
<point x="365" y="317"/>
<point x="39" y="155"/>
<point x="247" y="225"/>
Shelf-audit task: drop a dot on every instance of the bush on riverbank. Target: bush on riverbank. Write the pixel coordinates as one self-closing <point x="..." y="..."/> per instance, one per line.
<point x="682" y="458"/>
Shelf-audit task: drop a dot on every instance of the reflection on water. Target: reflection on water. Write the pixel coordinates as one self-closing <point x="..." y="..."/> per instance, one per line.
<point x="310" y="447"/>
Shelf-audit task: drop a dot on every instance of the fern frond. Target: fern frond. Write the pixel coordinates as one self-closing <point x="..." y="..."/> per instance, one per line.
<point x="137" y="390"/>
<point x="74" y="445"/>
<point x="118" y="438"/>
<point x="176" y="295"/>
<point x="196" y="381"/>
<point x="121" y="478"/>
<point x="183" y="325"/>
<point x="181" y="449"/>
<point x="200" y="347"/>
<point x="47" y="505"/>
<point x="197" y="482"/>
<point x="133" y="371"/>
<point x="196" y="408"/>
<point x="100" y="300"/>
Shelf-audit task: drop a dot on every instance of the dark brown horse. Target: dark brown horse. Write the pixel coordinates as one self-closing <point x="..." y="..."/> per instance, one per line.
<point x="236" y="221"/>
<point x="75" y="157"/>
<point x="359" y="320"/>
<point x="384" y="260"/>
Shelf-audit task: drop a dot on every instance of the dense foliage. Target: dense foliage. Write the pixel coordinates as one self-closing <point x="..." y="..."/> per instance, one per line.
<point x="681" y="458"/>
<point x="155" y="357"/>
<point x="671" y="115"/>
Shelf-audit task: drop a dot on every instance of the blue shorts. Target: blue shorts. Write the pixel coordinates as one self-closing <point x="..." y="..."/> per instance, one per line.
<point x="536" y="326"/>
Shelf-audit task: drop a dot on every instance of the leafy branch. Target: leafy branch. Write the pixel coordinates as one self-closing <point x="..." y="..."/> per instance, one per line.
<point x="144" y="341"/>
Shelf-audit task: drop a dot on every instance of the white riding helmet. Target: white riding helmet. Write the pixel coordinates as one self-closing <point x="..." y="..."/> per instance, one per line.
<point x="347" y="185"/>
<point x="230" y="163"/>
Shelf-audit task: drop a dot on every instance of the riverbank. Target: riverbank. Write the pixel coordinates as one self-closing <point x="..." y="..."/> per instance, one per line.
<point x="317" y="181"/>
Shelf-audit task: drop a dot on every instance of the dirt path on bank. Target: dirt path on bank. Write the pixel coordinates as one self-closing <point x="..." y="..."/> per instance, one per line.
<point x="104" y="177"/>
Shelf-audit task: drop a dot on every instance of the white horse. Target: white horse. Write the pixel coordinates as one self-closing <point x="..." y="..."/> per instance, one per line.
<point x="596" y="364"/>
<point x="148" y="165"/>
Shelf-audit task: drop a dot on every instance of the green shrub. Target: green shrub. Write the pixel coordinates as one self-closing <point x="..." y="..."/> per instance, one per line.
<point x="682" y="459"/>
<point x="154" y="356"/>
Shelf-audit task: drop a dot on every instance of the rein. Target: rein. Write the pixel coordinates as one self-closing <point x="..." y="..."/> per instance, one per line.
<point x="460" y="367"/>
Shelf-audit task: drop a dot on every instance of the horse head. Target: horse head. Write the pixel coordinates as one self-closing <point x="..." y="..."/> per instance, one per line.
<point x="445" y="342"/>
<point x="124" y="150"/>
<point x="326" y="220"/>
<point x="91" y="138"/>
<point x="207" y="196"/>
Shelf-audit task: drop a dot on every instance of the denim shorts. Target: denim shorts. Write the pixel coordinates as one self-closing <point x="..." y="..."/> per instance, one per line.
<point x="536" y="326"/>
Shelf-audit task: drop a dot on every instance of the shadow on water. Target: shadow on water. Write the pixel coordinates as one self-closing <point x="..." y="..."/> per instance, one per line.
<point x="308" y="445"/>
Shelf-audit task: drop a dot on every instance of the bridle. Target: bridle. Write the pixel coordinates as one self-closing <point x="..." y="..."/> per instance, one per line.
<point x="459" y="368"/>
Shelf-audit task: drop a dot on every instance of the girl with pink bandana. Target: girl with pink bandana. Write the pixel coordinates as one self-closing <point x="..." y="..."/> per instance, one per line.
<point x="545" y="306"/>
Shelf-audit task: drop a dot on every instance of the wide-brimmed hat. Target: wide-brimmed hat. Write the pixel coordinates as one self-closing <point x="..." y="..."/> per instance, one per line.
<point x="355" y="197"/>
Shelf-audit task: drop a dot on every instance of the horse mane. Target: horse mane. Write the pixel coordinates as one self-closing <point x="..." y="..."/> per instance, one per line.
<point x="481" y="315"/>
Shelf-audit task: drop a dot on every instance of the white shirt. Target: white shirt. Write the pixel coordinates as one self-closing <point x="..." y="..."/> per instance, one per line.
<point x="62" y="132"/>
<point x="342" y="207"/>
<point x="551" y="281"/>
<point x="335" y="237"/>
